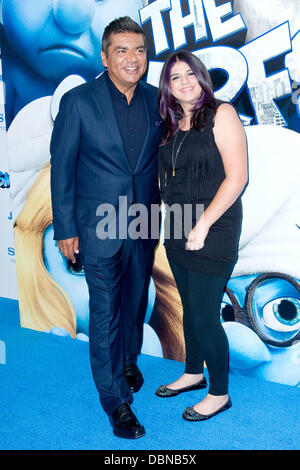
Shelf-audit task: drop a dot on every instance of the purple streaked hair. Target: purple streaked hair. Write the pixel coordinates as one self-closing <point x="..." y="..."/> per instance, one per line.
<point x="170" y="109"/>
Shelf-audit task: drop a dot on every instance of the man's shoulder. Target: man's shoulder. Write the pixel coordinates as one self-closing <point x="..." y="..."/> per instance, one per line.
<point x="84" y="90"/>
<point x="151" y="90"/>
<point x="80" y="90"/>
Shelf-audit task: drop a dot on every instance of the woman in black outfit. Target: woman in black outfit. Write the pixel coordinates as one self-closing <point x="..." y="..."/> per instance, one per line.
<point x="203" y="160"/>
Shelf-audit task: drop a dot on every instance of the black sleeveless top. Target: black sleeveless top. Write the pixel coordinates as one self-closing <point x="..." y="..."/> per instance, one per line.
<point x="199" y="171"/>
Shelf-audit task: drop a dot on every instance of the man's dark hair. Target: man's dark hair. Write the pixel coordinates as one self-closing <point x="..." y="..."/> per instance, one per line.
<point x="120" y="25"/>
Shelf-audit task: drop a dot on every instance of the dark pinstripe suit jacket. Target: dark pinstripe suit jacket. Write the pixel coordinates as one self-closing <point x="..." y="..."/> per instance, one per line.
<point x="89" y="166"/>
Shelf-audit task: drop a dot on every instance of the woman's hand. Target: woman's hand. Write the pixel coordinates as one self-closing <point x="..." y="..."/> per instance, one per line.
<point x="197" y="236"/>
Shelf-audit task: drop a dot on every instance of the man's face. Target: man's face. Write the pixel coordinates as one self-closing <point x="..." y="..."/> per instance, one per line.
<point x="59" y="38"/>
<point x="126" y="60"/>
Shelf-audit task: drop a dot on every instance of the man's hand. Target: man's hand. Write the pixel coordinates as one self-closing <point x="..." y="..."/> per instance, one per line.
<point x="68" y="247"/>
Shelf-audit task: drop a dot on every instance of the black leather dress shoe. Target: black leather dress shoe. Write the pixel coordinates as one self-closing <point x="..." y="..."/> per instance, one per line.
<point x="133" y="377"/>
<point x="125" y="424"/>
<point x="164" y="391"/>
<point x="190" y="414"/>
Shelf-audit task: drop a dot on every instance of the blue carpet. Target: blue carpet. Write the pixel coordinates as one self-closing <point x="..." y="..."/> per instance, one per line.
<point x="48" y="401"/>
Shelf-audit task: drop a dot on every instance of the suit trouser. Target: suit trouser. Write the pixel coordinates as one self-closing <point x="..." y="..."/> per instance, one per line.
<point x="118" y="289"/>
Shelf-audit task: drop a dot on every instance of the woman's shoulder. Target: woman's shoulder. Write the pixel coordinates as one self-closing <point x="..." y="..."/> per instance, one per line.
<point x="215" y="109"/>
<point x="225" y="111"/>
<point x="224" y="106"/>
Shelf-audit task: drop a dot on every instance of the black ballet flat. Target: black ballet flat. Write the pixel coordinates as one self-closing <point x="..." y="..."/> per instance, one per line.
<point x="165" y="392"/>
<point x="191" y="415"/>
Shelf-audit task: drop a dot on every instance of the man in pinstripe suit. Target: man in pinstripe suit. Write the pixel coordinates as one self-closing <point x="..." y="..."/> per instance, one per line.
<point x="104" y="145"/>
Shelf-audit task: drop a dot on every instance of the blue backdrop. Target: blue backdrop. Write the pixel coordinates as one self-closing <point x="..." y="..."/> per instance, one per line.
<point x="252" y="52"/>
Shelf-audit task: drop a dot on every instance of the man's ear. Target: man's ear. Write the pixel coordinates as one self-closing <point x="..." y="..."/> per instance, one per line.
<point x="103" y="58"/>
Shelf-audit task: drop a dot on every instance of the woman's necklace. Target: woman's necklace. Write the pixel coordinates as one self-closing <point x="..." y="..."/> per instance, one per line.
<point x="174" y="157"/>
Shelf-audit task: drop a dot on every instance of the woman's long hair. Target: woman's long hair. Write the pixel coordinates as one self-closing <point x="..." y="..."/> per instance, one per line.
<point x="170" y="109"/>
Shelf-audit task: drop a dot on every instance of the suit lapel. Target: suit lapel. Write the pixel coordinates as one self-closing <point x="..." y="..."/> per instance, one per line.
<point x="105" y="106"/>
<point x="145" y="145"/>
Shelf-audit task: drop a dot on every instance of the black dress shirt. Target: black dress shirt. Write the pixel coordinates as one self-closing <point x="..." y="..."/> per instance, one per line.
<point x="131" y="119"/>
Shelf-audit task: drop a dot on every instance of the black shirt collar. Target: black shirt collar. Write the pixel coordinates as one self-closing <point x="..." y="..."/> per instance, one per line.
<point x="116" y="93"/>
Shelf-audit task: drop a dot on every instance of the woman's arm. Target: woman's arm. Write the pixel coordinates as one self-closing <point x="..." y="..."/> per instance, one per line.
<point x="230" y="139"/>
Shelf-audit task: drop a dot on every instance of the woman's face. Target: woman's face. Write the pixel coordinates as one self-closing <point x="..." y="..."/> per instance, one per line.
<point x="184" y="85"/>
<point x="57" y="38"/>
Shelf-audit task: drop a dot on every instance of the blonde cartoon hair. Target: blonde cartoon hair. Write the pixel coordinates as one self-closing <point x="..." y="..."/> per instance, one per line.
<point x="43" y="304"/>
<point x="166" y="319"/>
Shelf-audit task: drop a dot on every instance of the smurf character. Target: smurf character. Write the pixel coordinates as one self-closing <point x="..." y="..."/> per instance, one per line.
<point x="44" y="55"/>
<point x="53" y="294"/>
<point x="261" y="306"/>
<point x="44" y="41"/>
<point x="263" y="293"/>
<point x="28" y="142"/>
<point x="261" y="309"/>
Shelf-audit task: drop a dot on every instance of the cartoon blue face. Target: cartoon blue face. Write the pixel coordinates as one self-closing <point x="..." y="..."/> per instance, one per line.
<point x="73" y="283"/>
<point x="261" y="316"/>
<point x="57" y="38"/>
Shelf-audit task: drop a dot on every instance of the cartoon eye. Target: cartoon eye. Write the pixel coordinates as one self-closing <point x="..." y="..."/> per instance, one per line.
<point x="282" y="314"/>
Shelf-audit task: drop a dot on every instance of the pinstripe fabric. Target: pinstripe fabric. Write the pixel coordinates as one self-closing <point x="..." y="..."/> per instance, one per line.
<point x="89" y="167"/>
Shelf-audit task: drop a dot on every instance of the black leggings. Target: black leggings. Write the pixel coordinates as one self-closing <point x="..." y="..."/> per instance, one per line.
<point x="205" y="338"/>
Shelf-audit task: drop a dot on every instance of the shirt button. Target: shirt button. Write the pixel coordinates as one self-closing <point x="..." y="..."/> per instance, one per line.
<point x="131" y="150"/>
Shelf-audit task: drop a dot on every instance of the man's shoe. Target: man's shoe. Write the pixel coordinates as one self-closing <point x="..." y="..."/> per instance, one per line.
<point x="125" y="424"/>
<point x="133" y="377"/>
<point x="190" y="414"/>
<point x="164" y="391"/>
